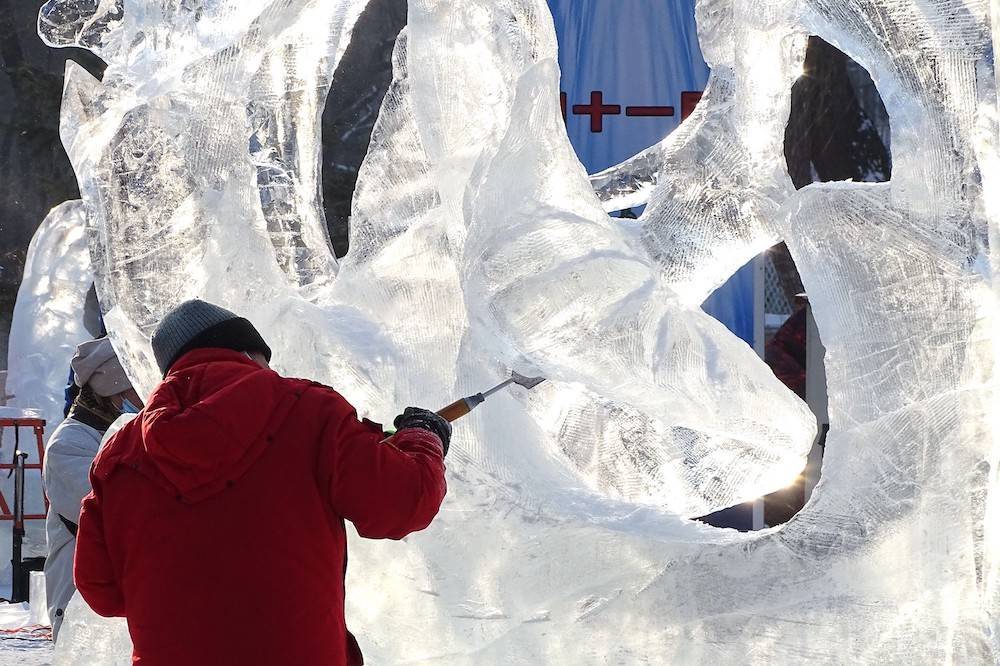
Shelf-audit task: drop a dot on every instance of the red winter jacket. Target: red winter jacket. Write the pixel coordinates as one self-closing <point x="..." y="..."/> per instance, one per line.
<point x="216" y="521"/>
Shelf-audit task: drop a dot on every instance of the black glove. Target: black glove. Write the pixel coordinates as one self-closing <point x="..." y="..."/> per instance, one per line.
<point x="414" y="417"/>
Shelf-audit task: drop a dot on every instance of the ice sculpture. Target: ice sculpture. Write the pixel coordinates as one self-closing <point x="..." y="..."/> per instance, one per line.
<point x="87" y="638"/>
<point x="563" y="540"/>
<point x="48" y="324"/>
<point x="48" y="320"/>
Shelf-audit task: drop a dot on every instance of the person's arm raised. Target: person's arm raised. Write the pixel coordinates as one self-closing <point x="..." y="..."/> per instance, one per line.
<point x="387" y="488"/>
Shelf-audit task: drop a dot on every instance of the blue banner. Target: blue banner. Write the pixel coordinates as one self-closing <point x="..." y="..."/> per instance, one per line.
<point x="631" y="71"/>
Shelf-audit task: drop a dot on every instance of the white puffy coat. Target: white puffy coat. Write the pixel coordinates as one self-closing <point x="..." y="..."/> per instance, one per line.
<point x="68" y="456"/>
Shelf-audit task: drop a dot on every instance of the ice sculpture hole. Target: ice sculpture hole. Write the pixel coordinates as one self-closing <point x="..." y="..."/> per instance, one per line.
<point x="796" y="356"/>
<point x="838" y="128"/>
<point x="359" y="85"/>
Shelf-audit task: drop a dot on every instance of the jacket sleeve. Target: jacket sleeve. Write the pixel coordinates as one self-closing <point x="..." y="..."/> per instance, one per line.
<point x="93" y="571"/>
<point x="387" y="489"/>
<point x="67" y="474"/>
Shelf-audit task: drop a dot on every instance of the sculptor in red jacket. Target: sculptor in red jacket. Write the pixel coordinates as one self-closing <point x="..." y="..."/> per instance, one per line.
<point x="216" y="521"/>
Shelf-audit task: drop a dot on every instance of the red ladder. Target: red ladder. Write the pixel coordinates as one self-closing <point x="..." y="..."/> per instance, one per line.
<point x="38" y="426"/>
<point x="21" y="570"/>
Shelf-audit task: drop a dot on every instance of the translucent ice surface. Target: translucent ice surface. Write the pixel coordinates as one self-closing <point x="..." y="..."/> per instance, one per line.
<point x="47" y="326"/>
<point x="479" y="244"/>
<point x="86" y="638"/>
<point x="48" y="319"/>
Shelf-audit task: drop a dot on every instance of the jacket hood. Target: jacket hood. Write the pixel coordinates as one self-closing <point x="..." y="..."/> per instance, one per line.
<point x="208" y="421"/>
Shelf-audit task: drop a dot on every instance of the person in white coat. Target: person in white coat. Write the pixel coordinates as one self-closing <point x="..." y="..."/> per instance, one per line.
<point x="105" y="394"/>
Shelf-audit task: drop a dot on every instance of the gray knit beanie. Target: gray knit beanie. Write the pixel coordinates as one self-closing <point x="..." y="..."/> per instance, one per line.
<point x="198" y="325"/>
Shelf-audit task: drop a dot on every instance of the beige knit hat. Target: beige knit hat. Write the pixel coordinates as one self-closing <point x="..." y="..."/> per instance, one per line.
<point x="96" y="365"/>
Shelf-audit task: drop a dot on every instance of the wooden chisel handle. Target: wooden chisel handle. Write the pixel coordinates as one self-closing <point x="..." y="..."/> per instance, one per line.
<point x="456" y="410"/>
<point x="460" y="408"/>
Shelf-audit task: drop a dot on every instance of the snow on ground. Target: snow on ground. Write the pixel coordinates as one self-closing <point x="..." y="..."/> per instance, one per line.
<point x="22" y="642"/>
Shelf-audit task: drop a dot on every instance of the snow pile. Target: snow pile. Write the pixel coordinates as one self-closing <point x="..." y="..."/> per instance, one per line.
<point x="563" y="537"/>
